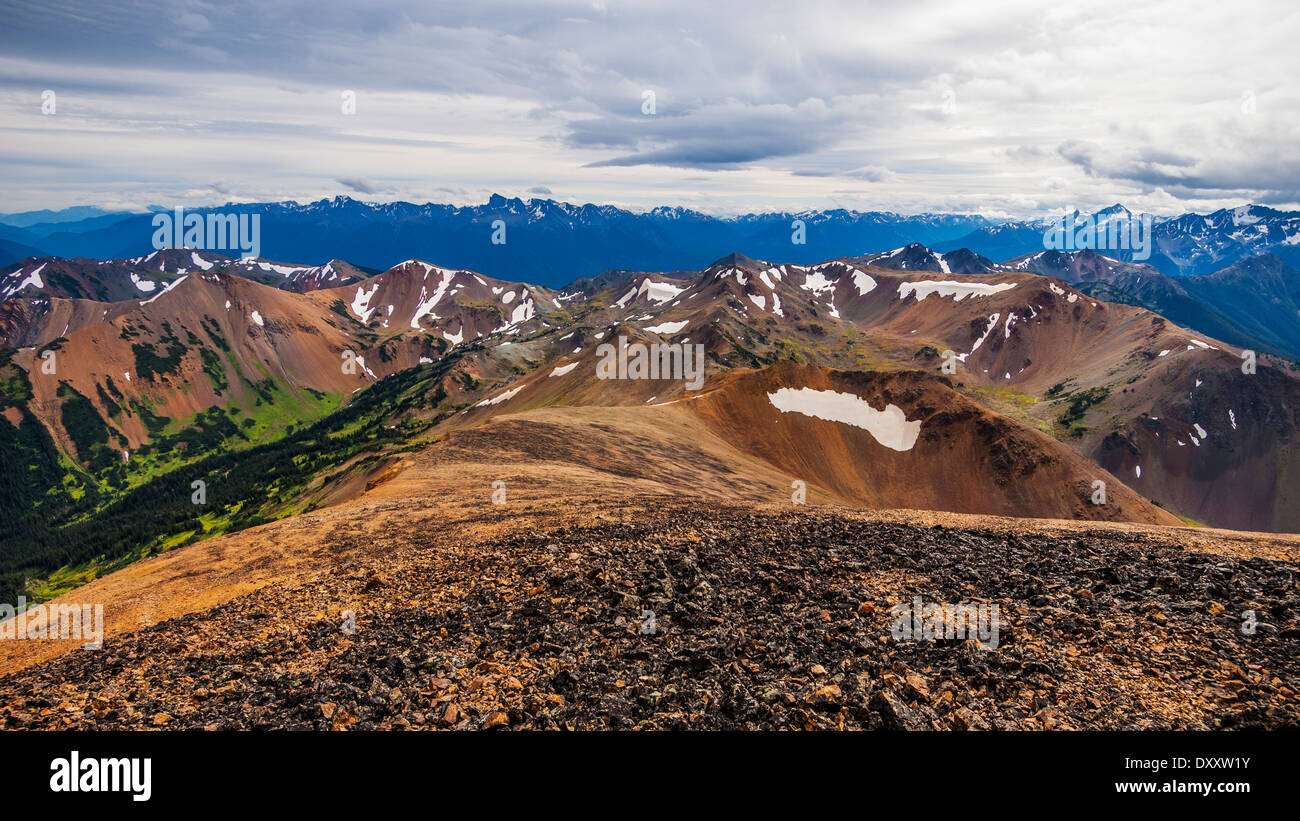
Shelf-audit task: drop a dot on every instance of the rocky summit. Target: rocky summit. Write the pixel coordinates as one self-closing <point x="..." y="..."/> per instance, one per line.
<point x="654" y="613"/>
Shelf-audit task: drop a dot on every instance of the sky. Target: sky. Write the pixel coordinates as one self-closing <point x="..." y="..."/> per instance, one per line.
<point x="1007" y="109"/>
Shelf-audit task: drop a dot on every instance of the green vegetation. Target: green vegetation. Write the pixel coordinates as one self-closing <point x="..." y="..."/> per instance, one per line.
<point x="62" y="525"/>
<point x="1079" y="404"/>
<point x="87" y="429"/>
<point x="148" y="363"/>
<point x="215" y="370"/>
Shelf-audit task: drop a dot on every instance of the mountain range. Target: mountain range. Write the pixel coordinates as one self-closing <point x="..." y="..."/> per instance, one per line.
<point x="552" y="243"/>
<point x="1019" y="390"/>
<point x="236" y="454"/>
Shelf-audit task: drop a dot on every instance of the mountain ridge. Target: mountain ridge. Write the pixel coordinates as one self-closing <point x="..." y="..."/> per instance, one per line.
<point x="576" y="241"/>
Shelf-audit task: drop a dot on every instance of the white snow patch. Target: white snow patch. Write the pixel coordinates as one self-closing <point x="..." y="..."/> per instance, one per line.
<point x="523" y="312"/>
<point x="623" y="299"/>
<point x="361" y="302"/>
<point x="34" y="278"/>
<point x="167" y="288"/>
<point x="668" y="327"/>
<point x="496" y="400"/>
<point x="427" y="305"/>
<point x="993" y="323"/>
<point x="865" y="283"/>
<point x="656" y="292"/>
<point x="817" y="282"/>
<point x="256" y="317"/>
<point x="890" y="427"/>
<point x="563" y="369"/>
<point x="957" y="290"/>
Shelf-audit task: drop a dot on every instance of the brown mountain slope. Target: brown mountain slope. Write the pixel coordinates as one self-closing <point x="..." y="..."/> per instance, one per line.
<point x="210" y="340"/>
<point x="1204" y="438"/>
<point x="457" y="305"/>
<point x="941" y="451"/>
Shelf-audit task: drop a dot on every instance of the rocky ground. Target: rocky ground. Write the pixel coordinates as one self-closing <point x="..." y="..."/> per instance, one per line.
<point x="762" y="620"/>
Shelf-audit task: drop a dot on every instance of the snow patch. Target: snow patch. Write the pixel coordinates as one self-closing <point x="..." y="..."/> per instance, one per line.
<point x="865" y="283"/>
<point x="659" y="292"/>
<point x="993" y="323"/>
<point x="957" y="290"/>
<point x="669" y="327"/>
<point x="496" y="400"/>
<point x="427" y="305"/>
<point x="361" y="302"/>
<point x="890" y="427"/>
<point x="165" y="289"/>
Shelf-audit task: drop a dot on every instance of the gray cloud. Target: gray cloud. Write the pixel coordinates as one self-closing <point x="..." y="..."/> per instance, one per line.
<point x="1003" y="109"/>
<point x="361" y="186"/>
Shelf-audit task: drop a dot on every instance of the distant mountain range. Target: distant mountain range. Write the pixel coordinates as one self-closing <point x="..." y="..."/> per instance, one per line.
<point x="545" y="242"/>
<point x="1186" y="245"/>
<point x="552" y="243"/>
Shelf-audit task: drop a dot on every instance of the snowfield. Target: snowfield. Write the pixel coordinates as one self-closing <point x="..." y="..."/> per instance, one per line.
<point x="889" y="427"/>
<point x="957" y="290"/>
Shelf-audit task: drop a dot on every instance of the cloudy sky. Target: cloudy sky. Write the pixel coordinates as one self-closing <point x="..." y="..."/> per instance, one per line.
<point x="1003" y="108"/>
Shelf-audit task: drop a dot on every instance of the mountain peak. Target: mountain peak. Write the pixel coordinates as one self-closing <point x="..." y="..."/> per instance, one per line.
<point x="737" y="260"/>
